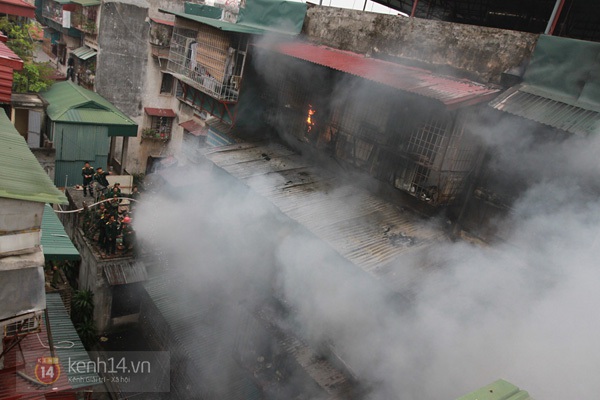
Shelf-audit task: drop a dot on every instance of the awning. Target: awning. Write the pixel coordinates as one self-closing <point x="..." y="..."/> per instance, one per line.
<point x="17" y="7"/>
<point x="194" y="128"/>
<point x="160" y="112"/>
<point x="163" y="21"/>
<point x="87" y="3"/>
<point x="84" y="53"/>
<point x="125" y="272"/>
<point x="55" y="241"/>
<point x="452" y="92"/>
<point x="540" y="106"/>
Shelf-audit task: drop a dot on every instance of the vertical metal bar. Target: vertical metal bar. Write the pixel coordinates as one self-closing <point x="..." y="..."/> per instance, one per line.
<point x="365" y="5"/>
<point x="49" y="332"/>
<point x="554" y="17"/>
<point x="414" y="8"/>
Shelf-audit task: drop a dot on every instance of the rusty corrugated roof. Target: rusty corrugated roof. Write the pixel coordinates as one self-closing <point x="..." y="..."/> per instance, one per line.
<point x="452" y="92"/>
<point x="527" y="102"/>
<point x="361" y="227"/>
<point x="125" y="272"/>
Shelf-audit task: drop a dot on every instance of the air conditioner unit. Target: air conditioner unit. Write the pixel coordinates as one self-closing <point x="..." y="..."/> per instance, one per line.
<point x="24" y="326"/>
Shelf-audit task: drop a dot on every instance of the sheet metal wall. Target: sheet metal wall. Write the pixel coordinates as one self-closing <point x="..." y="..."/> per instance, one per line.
<point x="75" y="144"/>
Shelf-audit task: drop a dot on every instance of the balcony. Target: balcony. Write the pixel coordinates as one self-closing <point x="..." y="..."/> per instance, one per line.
<point x="156" y="134"/>
<point x="213" y="64"/>
<point x="53" y="11"/>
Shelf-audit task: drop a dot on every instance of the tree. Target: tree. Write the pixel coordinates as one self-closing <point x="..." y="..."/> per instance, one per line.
<point x="35" y="76"/>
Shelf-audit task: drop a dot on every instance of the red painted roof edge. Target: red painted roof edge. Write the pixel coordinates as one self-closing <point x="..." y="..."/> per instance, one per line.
<point x="450" y="91"/>
<point x="160" y="112"/>
<point x="163" y="21"/>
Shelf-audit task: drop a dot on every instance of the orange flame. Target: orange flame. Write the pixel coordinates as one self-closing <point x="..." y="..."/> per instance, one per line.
<point x="309" y="120"/>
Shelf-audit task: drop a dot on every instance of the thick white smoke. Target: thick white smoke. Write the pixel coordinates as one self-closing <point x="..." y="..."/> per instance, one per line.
<point x="523" y="309"/>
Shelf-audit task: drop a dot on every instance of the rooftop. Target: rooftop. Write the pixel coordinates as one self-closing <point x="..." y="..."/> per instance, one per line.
<point x="71" y="103"/>
<point x="366" y="230"/>
<point x="21" y="175"/>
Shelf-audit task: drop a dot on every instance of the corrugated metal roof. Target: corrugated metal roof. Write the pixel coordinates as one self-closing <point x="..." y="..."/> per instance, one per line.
<point x="64" y="331"/>
<point x="84" y="53"/>
<point x="363" y="228"/>
<point x="87" y="106"/>
<point x="21" y="175"/>
<point x="9" y="58"/>
<point x="499" y="390"/>
<point x="68" y="346"/>
<point x="193" y="328"/>
<point x="122" y="273"/>
<point x="87" y="3"/>
<point x="163" y="21"/>
<point x="215" y="23"/>
<point x="6" y="81"/>
<point x="450" y="91"/>
<point x="55" y="241"/>
<point x="194" y="128"/>
<point x="160" y="112"/>
<point x="17" y="7"/>
<point x="532" y="103"/>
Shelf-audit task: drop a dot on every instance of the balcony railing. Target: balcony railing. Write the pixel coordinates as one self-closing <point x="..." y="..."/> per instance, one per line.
<point x="53" y="11"/>
<point x="212" y="66"/>
<point x="155" y="134"/>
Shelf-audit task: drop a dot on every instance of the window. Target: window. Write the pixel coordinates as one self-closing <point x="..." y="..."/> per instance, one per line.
<point x="166" y="86"/>
<point x="160" y="128"/>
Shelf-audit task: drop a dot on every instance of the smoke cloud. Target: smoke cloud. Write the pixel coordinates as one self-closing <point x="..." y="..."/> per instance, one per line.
<point x="523" y="309"/>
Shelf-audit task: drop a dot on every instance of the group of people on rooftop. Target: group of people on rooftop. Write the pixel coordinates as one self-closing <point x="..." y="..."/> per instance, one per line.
<point x="111" y="219"/>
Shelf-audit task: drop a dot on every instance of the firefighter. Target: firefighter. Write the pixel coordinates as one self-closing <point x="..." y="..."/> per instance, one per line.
<point x="87" y="172"/>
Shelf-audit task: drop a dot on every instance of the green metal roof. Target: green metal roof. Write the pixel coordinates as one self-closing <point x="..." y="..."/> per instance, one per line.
<point x="257" y="17"/>
<point x="84" y="53"/>
<point x="561" y="86"/>
<point x="87" y="3"/>
<point x="63" y="330"/>
<point x="21" y="175"/>
<point x="203" y="10"/>
<point x="215" y="23"/>
<point x="499" y="390"/>
<point x="71" y="103"/>
<point x="55" y="242"/>
<point x="63" y="1"/>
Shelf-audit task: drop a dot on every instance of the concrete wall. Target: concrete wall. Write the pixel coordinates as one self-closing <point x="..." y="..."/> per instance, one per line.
<point x="47" y="159"/>
<point x="130" y="78"/>
<point x="474" y="52"/>
<point x="123" y="55"/>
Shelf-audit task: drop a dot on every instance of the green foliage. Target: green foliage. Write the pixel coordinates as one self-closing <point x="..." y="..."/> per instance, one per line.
<point x="35" y="76"/>
<point x="19" y="38"/>
<point x="87" y="332"/>
<point x="83" y="304"/>
<point x="82" y="314"/>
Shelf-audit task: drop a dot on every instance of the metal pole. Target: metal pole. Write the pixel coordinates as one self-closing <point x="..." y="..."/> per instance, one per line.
<point x="414" y="9"/>
<point x="49" y="332"/>
<point x="365" y="5"/>
<point x="554" y="17"/>
<point x="66" y="178"/>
